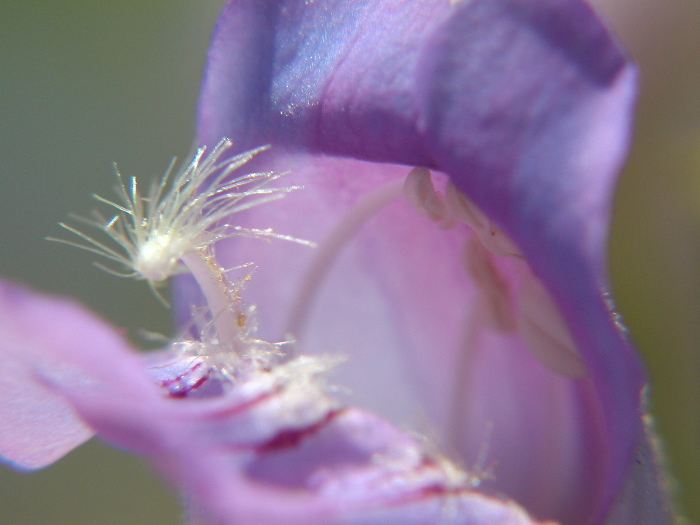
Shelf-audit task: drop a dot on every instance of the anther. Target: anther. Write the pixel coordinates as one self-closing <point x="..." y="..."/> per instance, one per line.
<point x="421" y="194"/>
<point x="330" y="249"/>
<point x="492" y="237"/>
<point x="493" y="292"/>
<point x="542" y="327"/>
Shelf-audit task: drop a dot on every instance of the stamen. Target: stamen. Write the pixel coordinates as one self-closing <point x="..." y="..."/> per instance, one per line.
<point x="176" y="227"/>
<point x="329" y="250"/>
<point x="420" y="193"/>
<point x="490" y="235"/>
<point x="538" y="320"/>
<point x="494" y="296"/>
<point x="153" y="233"/>
<point x="480" y="472"/>
<point x="542" y="327"/>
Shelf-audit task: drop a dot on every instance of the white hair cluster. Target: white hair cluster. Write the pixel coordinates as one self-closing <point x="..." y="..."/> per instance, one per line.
<point x="181" y="214"/>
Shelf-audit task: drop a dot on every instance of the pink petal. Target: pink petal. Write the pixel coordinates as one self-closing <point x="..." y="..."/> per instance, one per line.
<point x="48" y="343"/>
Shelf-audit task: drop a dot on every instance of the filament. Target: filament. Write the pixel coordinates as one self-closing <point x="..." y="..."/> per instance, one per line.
<point x="329" y="250"/>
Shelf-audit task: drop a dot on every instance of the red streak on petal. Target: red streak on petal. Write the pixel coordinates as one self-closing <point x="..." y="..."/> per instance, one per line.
<point x="168" y="382"/>
<point x="293" y="436"/>
<point x="435" y="490"/>
<point x="175" y="386"/>
<point x="185" y="392"/>
<point x="237" y="409"/>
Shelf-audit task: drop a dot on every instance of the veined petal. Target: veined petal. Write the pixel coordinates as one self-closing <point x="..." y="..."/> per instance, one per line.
<point x="420" y="348"/>
<point x="276" y="449"/>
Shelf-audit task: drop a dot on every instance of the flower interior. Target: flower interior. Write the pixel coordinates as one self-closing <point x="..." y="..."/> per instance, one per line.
<point x="174" y="230"/>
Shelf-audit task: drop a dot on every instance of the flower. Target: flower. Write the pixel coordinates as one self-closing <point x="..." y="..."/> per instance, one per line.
<point x="248" y="434"/>
<point x="487" y="287"/>
<point x="526" y="107"/>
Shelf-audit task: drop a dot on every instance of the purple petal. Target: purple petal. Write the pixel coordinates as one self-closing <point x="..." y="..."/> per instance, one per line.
<point x="45" y="340"/>
<point x="644" y="498"/>
<point x="511" y="401"/>
<point x="363" y="470"/>
<point x="276" y="449"/>
<point x="526" y="106"/>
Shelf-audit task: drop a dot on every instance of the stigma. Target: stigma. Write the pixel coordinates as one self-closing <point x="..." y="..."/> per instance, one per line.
<point x="521" y="304"/>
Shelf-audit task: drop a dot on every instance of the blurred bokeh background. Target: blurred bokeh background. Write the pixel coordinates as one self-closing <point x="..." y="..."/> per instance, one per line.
<point x="655" y="241"/>
<point x="86" y="83"/>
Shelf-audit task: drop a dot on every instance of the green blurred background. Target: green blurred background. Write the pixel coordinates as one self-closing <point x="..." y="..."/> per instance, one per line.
<point x="85" y="83"/>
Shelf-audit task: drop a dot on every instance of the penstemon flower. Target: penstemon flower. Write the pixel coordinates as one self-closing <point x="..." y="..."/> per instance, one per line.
<point x="457" y="160"/>
<point x="256" y="414"/>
